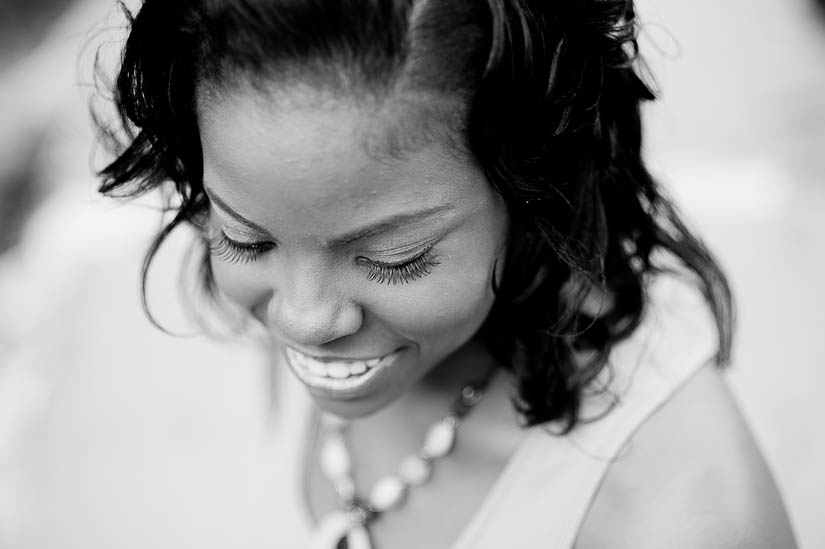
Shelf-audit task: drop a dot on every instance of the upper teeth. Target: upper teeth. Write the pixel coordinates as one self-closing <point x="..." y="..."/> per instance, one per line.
<point x="338" y="369"/>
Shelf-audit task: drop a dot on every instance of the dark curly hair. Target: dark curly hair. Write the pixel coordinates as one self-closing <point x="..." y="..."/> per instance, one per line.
<point x="553" y="118"/>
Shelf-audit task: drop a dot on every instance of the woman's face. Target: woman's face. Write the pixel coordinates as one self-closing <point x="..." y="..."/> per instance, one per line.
<point x="365" y="249"/>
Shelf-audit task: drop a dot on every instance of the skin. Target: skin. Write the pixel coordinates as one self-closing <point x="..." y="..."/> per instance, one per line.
<point x="302" y="169"/>
<point x="298" y="171"/>
<point x="690" y="479"/>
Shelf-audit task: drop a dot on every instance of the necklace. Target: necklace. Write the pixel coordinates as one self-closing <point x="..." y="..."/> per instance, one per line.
<point x="348" y="526"/>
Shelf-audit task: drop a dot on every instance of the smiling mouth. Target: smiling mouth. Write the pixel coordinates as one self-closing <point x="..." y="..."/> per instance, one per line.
<point x="341" y="378"/>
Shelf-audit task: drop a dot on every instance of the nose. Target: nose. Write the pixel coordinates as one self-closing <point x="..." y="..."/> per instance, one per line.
<point x="310" y="310"/>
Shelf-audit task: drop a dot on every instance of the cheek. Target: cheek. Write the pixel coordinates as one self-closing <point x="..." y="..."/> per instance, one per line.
<point x="444" y="310"/>
<point x="452" y="303"/>
<point x="241" y="284"/>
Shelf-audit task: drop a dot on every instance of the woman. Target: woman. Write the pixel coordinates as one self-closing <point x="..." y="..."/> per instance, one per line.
<point x="440" y="215"/>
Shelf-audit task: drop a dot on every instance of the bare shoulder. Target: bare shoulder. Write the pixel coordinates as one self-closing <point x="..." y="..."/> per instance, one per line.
<point x="692" y="476"/>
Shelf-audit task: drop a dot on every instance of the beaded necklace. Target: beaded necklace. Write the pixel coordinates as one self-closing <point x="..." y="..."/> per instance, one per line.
<point x="348" y="526"/>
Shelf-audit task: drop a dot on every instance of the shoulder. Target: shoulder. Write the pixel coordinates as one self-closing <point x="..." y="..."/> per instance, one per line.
<point x="692" y="476"/>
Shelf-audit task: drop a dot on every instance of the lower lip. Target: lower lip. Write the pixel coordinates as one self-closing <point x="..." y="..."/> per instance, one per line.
<point x="348" y="388"/>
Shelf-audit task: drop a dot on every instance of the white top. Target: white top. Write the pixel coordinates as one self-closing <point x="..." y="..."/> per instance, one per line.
<point x="673" y="342"/>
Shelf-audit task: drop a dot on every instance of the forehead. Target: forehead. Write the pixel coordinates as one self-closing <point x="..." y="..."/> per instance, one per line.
<point x="393" y="124"/>
<point x="319" y="151"/>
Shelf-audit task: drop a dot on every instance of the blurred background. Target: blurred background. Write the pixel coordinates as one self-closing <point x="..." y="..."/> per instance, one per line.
<point x="97" y="406"/>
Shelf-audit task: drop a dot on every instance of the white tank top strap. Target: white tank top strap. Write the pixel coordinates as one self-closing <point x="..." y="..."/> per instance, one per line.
<point x="546" y="489"/>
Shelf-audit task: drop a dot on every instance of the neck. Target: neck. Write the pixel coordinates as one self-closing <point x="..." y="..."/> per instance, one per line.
<point x="471" y="363"/>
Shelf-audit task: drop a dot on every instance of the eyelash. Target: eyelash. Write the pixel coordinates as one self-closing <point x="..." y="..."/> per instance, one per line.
<point x="402" y="273"/>
<point x="229" y="251"/>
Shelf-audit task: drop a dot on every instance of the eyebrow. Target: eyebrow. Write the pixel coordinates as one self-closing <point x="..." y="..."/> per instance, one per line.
<point x="232" y="213"/>
<point x="342" y="240"/>
<point x="391" y="222"/>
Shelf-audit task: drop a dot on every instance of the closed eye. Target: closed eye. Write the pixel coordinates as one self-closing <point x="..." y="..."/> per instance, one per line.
<point x="402" y="272"/>
<point x="231" y="251"/>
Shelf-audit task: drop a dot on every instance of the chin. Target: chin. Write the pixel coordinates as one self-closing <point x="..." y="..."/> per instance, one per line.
<point x="351" y="408"/>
